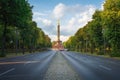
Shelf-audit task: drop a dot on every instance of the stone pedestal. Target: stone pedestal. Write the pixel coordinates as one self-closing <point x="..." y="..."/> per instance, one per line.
<point x="58" y="46"/>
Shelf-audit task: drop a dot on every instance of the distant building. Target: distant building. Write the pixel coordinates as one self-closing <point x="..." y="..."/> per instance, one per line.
<point x="58" y="44"/>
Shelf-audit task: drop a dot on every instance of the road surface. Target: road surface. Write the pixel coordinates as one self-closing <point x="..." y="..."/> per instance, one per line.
<point x="59" y="65"/>
<point x="94" y="68"/>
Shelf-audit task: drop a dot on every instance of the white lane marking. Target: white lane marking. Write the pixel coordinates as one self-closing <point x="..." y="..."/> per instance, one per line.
<point x="7" y="71"/>
<point x="19" y="62"/>
<point x="104" y="67"/>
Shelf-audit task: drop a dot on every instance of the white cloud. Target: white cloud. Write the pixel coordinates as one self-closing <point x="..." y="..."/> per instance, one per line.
<point x="46" y="25"/>
<point x="45" y="22"/>
<point x="53" y="37"/>
<point x="59" y="10"/>
<point x="78" y="19"/>
<point x="39" y="14"/>
<point x="72" y="18"/>
<point x="102" y="6"/>
<point x="63" y="38"/>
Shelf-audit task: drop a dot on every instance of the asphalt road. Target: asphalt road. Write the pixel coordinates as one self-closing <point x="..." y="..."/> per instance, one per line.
<point x="35" y="66"/>
<point x="28" y="67"/>
<point x="94" y="68"/>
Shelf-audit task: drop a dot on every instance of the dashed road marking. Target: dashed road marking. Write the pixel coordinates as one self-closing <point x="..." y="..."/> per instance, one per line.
<point x="104" y="67"/>
<point x="7" y="71"/>
<point x="18" y="62"/>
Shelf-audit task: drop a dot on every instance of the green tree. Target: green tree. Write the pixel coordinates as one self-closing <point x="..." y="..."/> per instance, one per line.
<point x="13" y="13"/>
<point x="96" y="31"/>
<point x="102" y="33"/>
<point x="111" y="23"/>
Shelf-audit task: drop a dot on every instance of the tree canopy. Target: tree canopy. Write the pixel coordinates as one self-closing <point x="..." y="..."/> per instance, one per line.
<point x="17" y="30"/>
<point x="102" y="34"/>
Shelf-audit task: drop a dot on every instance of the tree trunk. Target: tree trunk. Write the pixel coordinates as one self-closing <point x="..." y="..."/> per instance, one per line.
<point x="23" y="49"/>
<point x="3" y="41"/>
<point x="16" y="47"/>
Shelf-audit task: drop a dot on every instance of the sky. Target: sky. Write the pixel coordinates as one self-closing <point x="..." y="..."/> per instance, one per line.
<point x="73" y="15"/>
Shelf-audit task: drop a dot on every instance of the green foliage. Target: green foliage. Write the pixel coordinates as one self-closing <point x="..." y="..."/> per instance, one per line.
<point x="113" y="5"/>
<point x="71" y="43"/>
<point x="17" y="30"/>
<point x="102" y="34"/>
<point x="111" y="19"/>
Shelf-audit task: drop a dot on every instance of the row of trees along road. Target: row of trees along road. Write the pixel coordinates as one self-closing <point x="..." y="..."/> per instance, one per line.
<point x="18" y="33"/>
<point x="102" y="34"/>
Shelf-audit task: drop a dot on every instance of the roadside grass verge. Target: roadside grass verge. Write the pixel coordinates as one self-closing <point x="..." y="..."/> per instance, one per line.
<point x="95" y="54"/>
<point x="9" y="55"/>
<point x="12" y="52"/>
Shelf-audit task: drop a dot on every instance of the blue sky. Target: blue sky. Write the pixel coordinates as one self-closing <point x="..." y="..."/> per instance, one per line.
<point x="73" y="14"/>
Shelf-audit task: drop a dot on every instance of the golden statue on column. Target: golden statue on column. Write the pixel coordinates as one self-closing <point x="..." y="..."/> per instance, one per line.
<point x="58" y="44"/>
